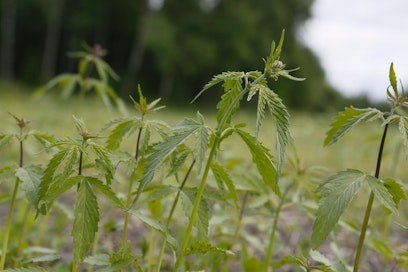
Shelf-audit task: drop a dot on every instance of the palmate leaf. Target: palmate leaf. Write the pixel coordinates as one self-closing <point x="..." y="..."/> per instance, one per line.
<point x="201" y="222"/>
<point x="336" y="194"/>
<point x="348" y="119"/>
<point x="163" y="149"/>
<point x="280" y="116"/>
<point x="218" y="79"/>
<point x="230" y="100"/>
<point x="61" y="165"/>
<point x="86" y="220"/>
<point x="121" y="128"/>
<point x="263" y="160"/>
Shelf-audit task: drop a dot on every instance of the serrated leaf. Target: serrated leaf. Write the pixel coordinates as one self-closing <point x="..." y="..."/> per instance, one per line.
<point x="222" y="176"/>
<point x="31" y="179"/>
<point x="106" y="190"/>
<point x="348" y="119"/>
<point x="202" y="219"/>
<point x="160" y="192"/>
<point x="153" y="223"/>
<point x="103" y="160"/>
<point x="86" y="220"/>
<point x="395" y="189"/>
<point x="121" y="128"/>
<point x="263" y="160"/>
<point x="230" y="101"/>
<point x="163" y="149"/>
<point x="336" y="194"/>
<point x="218" y="79"/>
<point x="43" y="138"/>
<point x="382" y="194"/>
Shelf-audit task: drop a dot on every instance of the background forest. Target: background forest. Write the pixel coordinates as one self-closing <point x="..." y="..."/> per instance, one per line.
<point x="172" y="48"/>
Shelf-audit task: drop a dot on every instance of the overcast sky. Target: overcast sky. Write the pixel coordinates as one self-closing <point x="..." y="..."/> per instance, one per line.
<point x="356" y="42"/>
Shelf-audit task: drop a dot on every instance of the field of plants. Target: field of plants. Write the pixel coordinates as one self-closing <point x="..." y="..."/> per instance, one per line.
<point x="88" y="187"/>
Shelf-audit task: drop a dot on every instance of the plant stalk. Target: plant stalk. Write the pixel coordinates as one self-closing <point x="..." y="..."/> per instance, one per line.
<point x="369" y="204"/>
<point x="173" y="208"/>
<point x="11" y="208"/>
<point x="269" y="252"/>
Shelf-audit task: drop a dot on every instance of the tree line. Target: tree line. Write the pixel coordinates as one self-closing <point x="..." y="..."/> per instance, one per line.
<point x="170" y="47"/>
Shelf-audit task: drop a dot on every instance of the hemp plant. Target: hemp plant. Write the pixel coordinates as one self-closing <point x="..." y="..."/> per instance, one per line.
<point x="236" y="85"/>
<point x="84" y="80"/>
<point x="26" y="176"/>
<point x="67" y="169"/>
<point x="338" y="191"/>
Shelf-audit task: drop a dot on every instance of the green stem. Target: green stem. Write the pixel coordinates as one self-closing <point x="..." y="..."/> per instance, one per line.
<point x="196" y="204"/>
<point x="370" y="203"/>
<point x="214" y="147"/>
<point x="8" y="226"/>
<point x="11" y="209"/>
<point x="269" y="252"/>
<point x="173" y="208"/>
<point x="130" y="187"/>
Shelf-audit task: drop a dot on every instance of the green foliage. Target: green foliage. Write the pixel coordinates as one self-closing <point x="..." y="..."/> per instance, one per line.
<point x="86" y="220"/>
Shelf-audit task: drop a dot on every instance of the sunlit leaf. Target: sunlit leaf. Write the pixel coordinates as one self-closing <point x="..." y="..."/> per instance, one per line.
<point x="336" y="194"/>
<point x="382" y="194"/>
<point x="396" y="190"/>
<point x="105" y="190"/>
<point x="263" y="160"/>
<point x="348" y="119"/>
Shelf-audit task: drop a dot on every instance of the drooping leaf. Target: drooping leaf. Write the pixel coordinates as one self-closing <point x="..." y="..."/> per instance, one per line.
<point x="43" y="138"/>
<point x="263" y="160"/>
<point x="382" y="194"/>
<point x="153" y="223"/>
<point x="396" y="190"/>
<point x="222" y="176"/>
<point x="201" y="222"/>
<point x="106" y="190"/>
<point x="348" y="119"/>
<point x="218" y="79"/>
<point x="86" y="220"/>
<point x="336" y="194"/>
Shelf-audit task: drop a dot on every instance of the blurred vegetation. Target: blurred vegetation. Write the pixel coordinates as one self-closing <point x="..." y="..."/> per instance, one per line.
<point x="171" y="48"/>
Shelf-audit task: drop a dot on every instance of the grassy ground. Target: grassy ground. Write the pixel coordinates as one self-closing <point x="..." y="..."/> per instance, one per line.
<point x="357" y="150"/>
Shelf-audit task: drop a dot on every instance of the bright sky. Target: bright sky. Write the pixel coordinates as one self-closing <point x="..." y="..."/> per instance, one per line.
<point x="356" y="41"/>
